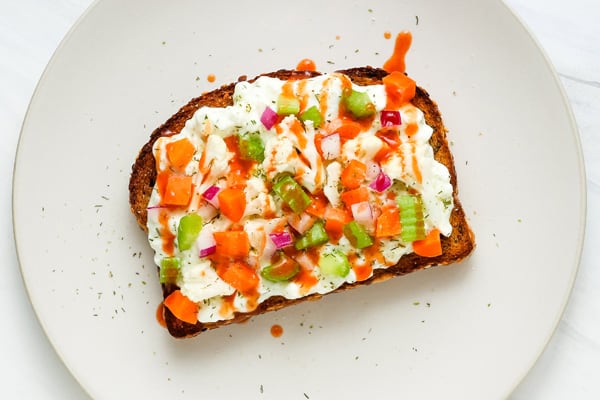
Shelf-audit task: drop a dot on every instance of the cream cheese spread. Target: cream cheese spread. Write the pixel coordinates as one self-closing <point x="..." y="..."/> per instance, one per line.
<point x="308" y="151"/>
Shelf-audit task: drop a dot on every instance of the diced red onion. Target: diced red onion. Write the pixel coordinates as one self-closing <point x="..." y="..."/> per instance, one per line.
<point x="206" y="242"/>
<point x="381" y="183"/>
<point x="281" y="239"/>
<point x="390" y="118"/>
<point x="155" y="207"/>
<point x="373" y="170"/>
<point x="207" y="251"/>
<point x="268" y="118"/>
<point x="363" y="214"/>
<point x="301" y="222"/>
<point x="210" y="195"/>
<point x="330" y="146"/>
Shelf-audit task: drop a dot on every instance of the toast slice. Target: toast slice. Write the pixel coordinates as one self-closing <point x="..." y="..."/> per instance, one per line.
<point x="458" y="245"/>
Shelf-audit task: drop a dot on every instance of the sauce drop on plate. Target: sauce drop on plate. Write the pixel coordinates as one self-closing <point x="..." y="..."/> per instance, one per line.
<point x="211" y="78"/>
<point x="396" y="61"/>
<point x="276" y="330"/>
<point x="306" y="65"/>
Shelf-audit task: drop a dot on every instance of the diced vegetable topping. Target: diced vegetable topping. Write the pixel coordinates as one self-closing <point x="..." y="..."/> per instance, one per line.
<point x="188" y="230"/>
<point x="232" y="202"/>
<point x="400" y="89"/>
<point x="381" y="183"/>
<point x="388" y="222"/>
<point x="170" y="268"/>
<point x="357" y="235"/>
<point x="354" y="196"/>
<point x="335" y="219"/>
<point x="232" y="244"/>
<point x="390" y="118"/>
<point x="252" y="147"/>
<point x="431" y="246"/>
<point x="362" y="212"/>
<point x="182" y="307"/>
<point x="178" y="190"/>
<point x="359" y="104"/>
<point x="312" y="114"/>
<point x="334" y="262"/>
<point x="206" y="242"/>
<point x="180" y="153"/>
<point x="283" y="269"/>
<point x="268" y="118"/>
<point x="315" y="236"/>
<point x="281" y="239"/>
<point x="317" y="205"/>
<point x="239" y="275"/>
<point x="287" y="105"/>
<point x="210" y="195"/>
<point x="354" y="174"/>
<point x="411" y="217"/>
<point x="292" y="193"/>
<point x="330" y="146"/>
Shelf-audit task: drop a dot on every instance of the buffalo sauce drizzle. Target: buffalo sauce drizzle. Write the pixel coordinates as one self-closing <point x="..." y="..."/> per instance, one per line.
<point x="160" y="315"/>
<point x="239" y="169"/>
<point x="397" y="60"/>
<point x="397" y="63"/>
<point x="168" y="238"/>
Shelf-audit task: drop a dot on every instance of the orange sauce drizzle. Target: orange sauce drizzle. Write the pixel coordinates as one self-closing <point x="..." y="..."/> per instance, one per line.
<point x="397" y="61"/>
<point x="323" y="96"/>
<point x="298" y="130"/>
<point x="387" y="34"/>
<point x="168" y="238"/>
<point x="373" y="253"/>
<point x="303" y="94"/>
<point x="239" y="169"/>
<point x="160" y="315"/>
<point x="415" y="163"/>
<point x="211" y="78"/>
<point x="227" y="307"/>
<point x="305" y="278"/>
<point x="411" y="129"/>
<point x="287" y="90"/>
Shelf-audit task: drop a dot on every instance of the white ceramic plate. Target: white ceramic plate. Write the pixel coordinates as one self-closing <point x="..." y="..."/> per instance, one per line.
<point x="468" y="331"/>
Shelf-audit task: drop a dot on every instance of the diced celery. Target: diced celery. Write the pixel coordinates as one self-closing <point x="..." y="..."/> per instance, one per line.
<point x="411" y="218"/>
<point x="188" y="230"/>
<point x="283" y="269"/>
<point x="292" y="193"/>
<point x="315" y="236"/>
<point x="357" y="235"/>
<point x="334" y="262"/>
<point x="251" y="147"/>
<point x="312" y="114"/>
<point x="287" y="105"/>
<point x="359" y="104"/>
<point x="169" y="270"/>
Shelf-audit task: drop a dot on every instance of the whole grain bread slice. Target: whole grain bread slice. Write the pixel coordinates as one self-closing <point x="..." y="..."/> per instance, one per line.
<point x="454" y="248"/>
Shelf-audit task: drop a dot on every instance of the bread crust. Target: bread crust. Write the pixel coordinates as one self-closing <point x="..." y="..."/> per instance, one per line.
<point x="454" y="248"/>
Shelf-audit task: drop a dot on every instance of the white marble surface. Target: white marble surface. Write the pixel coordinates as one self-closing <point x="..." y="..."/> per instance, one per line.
<point x="30" y="31"/>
